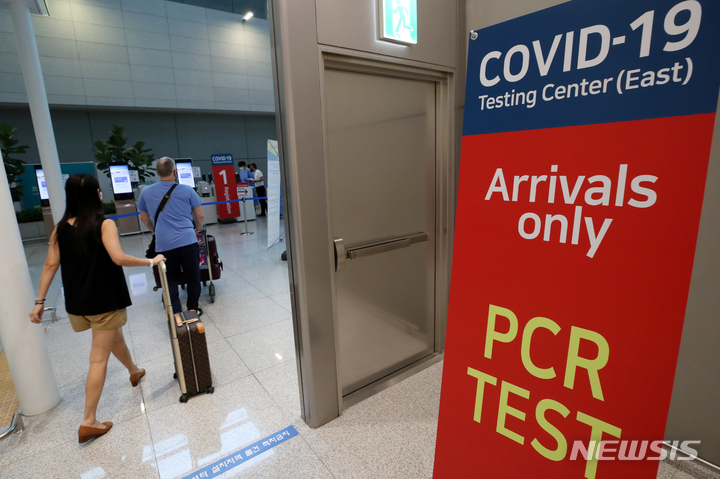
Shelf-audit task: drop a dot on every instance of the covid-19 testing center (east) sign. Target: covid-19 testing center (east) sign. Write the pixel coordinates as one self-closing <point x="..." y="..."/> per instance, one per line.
<point x="585" y="150"/>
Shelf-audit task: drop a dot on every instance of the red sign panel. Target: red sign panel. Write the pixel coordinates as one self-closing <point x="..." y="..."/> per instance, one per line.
<point x="226" y="190"/>
<point x="566" y="315"/>
<point x="585" y="148"/>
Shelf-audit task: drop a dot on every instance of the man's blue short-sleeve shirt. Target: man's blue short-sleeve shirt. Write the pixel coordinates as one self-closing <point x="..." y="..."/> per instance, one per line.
<point x="174" y="227"/>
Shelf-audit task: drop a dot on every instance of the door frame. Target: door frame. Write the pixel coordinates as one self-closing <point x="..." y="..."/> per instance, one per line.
<point x="336" y="59"/>
<point x="298" y="66"/>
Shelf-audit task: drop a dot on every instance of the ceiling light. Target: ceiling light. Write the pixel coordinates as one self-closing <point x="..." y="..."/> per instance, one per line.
<point x="248" y="16"/>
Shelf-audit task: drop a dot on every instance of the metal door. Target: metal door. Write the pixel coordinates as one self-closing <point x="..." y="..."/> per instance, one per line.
<point x="381" y="172"/>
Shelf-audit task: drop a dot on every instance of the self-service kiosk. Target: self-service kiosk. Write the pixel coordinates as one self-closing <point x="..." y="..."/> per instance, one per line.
<point x="44" y="200"/>
<point x="184" y="169"/>
<point x="124" y="198"/>
<point x="186" y="176"/>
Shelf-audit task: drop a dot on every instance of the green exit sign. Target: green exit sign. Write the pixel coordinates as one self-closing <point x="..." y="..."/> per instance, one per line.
<point x="398" y="20"/>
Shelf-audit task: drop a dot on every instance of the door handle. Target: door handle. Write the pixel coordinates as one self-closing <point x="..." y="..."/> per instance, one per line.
<point x="378" y="248"/>
<point x="375" y="247"/>
<point x="340" y="254"/>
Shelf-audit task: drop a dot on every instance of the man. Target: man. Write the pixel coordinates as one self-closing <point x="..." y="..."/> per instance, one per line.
<point x="245" y="176"/>
<point x="175" y="236"/>
<point x="259" y="183"/>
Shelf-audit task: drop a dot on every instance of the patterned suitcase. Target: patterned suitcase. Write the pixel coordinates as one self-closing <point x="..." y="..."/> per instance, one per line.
<point x="187" y="334"/>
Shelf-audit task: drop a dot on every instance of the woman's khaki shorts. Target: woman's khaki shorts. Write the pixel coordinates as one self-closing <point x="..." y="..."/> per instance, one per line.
<point x="101" y="322"/>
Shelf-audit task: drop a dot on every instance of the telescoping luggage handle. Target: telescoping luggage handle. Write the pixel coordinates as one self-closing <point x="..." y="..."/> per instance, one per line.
<point x="166" y="298"/>
<point x="173" y="326"/>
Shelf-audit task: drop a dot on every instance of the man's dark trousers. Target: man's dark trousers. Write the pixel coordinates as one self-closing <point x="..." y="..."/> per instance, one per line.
<point x="185" y="259"/>
<point x="262" y="192"/>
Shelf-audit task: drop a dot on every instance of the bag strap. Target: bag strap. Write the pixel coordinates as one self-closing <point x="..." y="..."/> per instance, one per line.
<point x="162" y="204"/>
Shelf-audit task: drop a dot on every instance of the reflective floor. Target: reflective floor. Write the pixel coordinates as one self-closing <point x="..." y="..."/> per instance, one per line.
<point x="251" y="347"/>
<point x="249" y="330"/>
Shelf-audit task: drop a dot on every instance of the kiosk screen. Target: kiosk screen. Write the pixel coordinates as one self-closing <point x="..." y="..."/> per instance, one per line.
<point x="42" y="187"/>
<point x="185" y="173"/>
<point x="120" y="176"/>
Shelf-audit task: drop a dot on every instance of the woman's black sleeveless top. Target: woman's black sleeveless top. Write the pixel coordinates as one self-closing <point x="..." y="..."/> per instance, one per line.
<point x="93" y="283"/>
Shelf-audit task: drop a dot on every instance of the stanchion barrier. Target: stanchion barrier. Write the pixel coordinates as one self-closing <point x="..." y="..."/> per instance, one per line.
<point x="245" y="220"/>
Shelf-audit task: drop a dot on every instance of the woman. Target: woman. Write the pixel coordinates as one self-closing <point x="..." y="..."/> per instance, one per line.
<point x="88" y="247"/>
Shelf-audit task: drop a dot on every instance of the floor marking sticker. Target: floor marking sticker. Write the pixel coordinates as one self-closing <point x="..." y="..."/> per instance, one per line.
<point x="244" y="454"/>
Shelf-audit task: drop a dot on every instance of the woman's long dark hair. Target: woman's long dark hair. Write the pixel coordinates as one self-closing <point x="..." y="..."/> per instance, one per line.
<point x="82" y="202"/>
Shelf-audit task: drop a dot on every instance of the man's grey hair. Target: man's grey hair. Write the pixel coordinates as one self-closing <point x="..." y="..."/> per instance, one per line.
<point x="165" y="166"/>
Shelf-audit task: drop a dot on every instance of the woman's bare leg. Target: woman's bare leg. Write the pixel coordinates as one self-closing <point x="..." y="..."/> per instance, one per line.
<point x="102" y="343"/>
<point x="121" y="351"/>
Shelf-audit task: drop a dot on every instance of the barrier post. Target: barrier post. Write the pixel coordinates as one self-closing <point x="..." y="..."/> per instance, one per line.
<point x="245" y="220"/>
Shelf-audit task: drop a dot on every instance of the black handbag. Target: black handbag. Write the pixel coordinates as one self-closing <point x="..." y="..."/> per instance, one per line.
<point x="150" y="252"/>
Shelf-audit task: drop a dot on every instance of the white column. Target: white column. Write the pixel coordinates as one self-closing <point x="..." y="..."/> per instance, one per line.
<point x="24" y="342"/>
<point x="37" y="98"/>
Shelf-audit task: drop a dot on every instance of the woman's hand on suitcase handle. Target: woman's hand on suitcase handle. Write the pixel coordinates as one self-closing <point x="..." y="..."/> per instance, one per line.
<point x="36" y="313"/>
<point x="157" y="259"/>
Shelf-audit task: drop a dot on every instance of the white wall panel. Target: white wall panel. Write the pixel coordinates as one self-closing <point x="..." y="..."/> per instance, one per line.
<point x="64" y="86"/>
<point x="53" y="47"/>
<point x="94" y="51"/>
<point x="227" y="50"/>
<point x="189" y="45"/>
<point x="8" y="43"/>
<point x="62" y="67"/>
<point x="61" y="10"/>
<point x="150" y="57"/>
<point x="192" y="77"/>
<point x="232" y="95"/>
<point x="100" y="52"/>
<point x="108" y="88"/>
<point x="87" y="32"/>
<point x="96" y="3"/>
<point x="12" y="82"/>
<point x="184" y="28"/>
<point x="195" y="93"/>
<point x="9" y="63"/>
<point x="153" y="91"/>
<point x="190" y="13"/>
<point x="230" y="80"/>
<point x="149" y="74"/>
<point x="105" y="70"/>
<point x="52" y="28"/>
<point x="96" y="15"/>
<point x="148" y="23"/>
<point x="229" y="65"/>
<point x="138" y="38"/>
<point x="6" y="24"/>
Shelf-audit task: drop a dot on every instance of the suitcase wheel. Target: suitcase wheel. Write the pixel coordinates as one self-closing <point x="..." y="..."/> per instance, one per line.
<point x="174" y="375"/>
<point x="211" y="290"/>
<point x="210" y="390"/>
<point x="184" y="398"/>
<point x="155" y="288"/>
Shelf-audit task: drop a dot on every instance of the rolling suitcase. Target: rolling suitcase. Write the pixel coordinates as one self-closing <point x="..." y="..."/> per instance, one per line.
<point x="187" y="334"/>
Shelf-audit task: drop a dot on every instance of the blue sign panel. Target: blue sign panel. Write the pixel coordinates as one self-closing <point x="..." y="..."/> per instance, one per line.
<point x="31" y="195"/>
<point x="245" y="454"/>
<point x="221" y="159"/>
<point x="593" y="62"/>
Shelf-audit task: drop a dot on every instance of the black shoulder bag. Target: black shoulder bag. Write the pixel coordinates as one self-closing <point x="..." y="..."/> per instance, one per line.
<point x="150" y="252"/>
